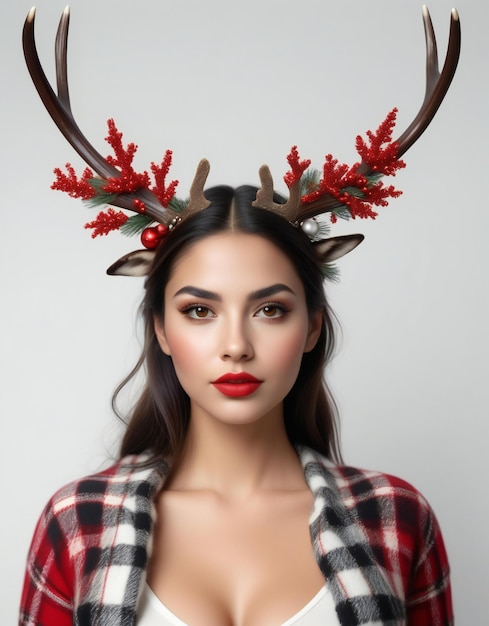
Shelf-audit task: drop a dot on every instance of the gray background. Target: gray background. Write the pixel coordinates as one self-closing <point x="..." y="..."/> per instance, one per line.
<point x="240" y="83"/>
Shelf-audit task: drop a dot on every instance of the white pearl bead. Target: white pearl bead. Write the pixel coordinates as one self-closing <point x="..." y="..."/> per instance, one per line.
<point x="310" y="227"/>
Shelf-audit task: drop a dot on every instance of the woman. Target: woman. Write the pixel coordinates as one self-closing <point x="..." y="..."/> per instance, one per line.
<point x="235" y="405"/>
<point x="228" y="505"/>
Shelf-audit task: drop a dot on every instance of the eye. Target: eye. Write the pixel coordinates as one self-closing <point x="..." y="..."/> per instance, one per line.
<point x="197" y="312"/>
<point x="272" y="310"/>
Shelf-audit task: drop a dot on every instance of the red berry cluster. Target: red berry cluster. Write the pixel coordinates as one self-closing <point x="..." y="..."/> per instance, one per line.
<point x="297" y="167"/>
<point x="359" y="192"/>
<point x="107" y="221"/>
<point x="126" y="181"/>
<point x="70" y="184"/>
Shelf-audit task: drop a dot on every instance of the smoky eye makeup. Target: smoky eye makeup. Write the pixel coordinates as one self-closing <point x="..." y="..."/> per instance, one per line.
<point x="196" y="303"/>
<point x="273" y="310"/>
<point x="196" y="311"/>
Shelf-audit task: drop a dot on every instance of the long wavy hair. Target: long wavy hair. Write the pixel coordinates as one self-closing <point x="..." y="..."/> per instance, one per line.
<point x="160" y="417"/>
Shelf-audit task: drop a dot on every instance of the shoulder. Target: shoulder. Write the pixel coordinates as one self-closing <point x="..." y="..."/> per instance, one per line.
<point x="81" y="520"/>
<point x="377" y="494"/>
<point x="85" y="502"/>
<point x="373" y="496"/>
<point x="391" y="514"/>
<point x="398" y="524"/>
<point x="121" y="472"/>
<point x="83" y="512"/>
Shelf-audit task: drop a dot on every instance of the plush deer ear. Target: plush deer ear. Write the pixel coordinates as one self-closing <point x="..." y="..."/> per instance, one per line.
<point x="336" y="247"/>
<point x="135" y="263"/>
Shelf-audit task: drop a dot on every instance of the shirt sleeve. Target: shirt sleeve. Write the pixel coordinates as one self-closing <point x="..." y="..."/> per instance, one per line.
<point x="47" y="592"/>
<point x="429" y="600"/>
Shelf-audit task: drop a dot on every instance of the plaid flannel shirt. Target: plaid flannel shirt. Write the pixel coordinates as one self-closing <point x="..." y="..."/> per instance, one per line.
<point x="375" y="538"/>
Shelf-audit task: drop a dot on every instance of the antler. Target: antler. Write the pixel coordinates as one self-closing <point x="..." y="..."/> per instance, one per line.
<point x="437" y="84"/>
<point x="264" y="196"/>
<point x="59" y="108"/>
<point x="197" y="200"/>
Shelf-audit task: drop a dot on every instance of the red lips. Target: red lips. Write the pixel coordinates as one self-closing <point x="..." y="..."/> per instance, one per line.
<point x="237" y="384"/>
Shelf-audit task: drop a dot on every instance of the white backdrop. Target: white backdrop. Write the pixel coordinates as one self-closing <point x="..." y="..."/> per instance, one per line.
<point x="240" y="83"/>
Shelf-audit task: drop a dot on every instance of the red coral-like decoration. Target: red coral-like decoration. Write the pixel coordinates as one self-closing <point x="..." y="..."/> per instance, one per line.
<point x="353" y="189"/>
<point x="129" y="180"/>
<point x="74" y="187"/>
<point x="160" y="172"/>
<point x="106" y="221"/>
<point x="380" y="158"/>
<point x="297" y="166"/>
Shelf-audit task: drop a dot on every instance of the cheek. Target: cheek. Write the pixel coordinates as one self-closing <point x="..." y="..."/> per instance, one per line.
<point x="186" y="350"/>
<point x="288" y="353"/>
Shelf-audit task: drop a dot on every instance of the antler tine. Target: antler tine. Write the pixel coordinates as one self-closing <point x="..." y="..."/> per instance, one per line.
<point x="437" y="83"/>
<point x="264" y="196"/>
<point x="197" y="200"/>
<point x="61" y="48"/>
<point x="59" y="108"/>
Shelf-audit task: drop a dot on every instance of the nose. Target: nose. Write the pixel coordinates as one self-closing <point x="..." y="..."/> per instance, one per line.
<point x="236" y="344"/>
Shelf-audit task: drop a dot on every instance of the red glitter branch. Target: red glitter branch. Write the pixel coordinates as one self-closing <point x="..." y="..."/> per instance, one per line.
<point x="129" y="180"/>
<point x="160" y="172"/>
<point x="359" y="192"/>
<point x="351" y="189"/>
<point x="336" y="179"/>
<point x="297" y="166"/>
<point x="380" y="158"/>
<point x="74" y="187"/>
<point x="107" y="221"/>
<point x="374" y="196"/>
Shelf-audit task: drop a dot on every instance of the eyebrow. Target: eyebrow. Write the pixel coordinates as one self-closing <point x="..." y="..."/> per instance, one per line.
<point x="265" y="292"/>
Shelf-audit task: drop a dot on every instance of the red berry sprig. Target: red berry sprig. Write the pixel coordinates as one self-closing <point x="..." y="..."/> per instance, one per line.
<point x="359" y="192"/>
<point x="297" y="167"/>
<point x="128" y="180"/>
<point x="106" y="221"/>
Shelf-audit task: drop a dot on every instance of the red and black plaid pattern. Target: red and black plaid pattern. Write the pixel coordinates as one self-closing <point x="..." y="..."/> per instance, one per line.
<point x="90" y="549"/>
<point x="375" y="538"/>
<point x="378" y="545"/>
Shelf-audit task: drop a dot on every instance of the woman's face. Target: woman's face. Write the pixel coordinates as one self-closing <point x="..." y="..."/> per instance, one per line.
<point x="236" y="326"/>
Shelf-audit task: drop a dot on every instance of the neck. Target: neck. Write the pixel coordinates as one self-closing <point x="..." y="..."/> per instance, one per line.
<point x="237" y="460"/>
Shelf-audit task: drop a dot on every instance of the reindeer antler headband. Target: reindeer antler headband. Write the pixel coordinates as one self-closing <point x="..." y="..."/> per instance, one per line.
<point x="341" y="190"/>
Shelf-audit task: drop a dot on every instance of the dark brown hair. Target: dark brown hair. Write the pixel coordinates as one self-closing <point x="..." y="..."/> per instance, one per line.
<point x="160" y="417"/>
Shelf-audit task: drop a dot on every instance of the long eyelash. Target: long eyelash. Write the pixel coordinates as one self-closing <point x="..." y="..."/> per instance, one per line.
<point x="186" y="308"/>
<point x="278" y="305"/>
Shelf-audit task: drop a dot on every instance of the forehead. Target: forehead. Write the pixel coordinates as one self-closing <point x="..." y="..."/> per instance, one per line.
<point x="234" y="260"/>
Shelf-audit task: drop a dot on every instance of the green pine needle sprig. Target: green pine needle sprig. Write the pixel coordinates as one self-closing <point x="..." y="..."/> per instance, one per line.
<point x="102" y="197"/>
<point x="343" y="212"/>
<point x="310" y="181"/>
<point x="177" y="204"/>
<point x="135" y="225"/>
<point x="331" y="272"/>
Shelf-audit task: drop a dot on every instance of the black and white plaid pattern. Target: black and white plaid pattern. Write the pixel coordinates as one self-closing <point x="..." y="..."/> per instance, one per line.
<point x="359" y="585"/>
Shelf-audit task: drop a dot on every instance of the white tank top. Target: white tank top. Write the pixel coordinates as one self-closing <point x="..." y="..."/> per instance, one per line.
<point x="319" y="611"/>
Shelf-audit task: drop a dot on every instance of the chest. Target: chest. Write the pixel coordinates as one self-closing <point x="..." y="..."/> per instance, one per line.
<point x="225" y="565"/>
